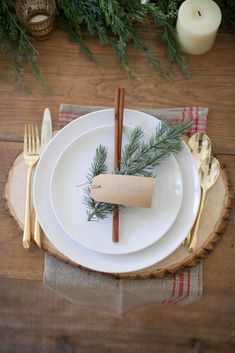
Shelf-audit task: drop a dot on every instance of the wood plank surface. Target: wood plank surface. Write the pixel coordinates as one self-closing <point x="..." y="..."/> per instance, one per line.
<point x="15" y="261"/>
<point x="75" y="80"/>
<point x="34" y="319"/>
<point x="41" y="321"/>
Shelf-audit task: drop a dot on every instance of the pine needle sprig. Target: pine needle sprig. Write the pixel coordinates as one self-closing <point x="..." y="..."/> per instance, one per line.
<point x="17" y="45"/>
<point x="98" y="165"/>
<point x="138" y="158"/>
<point x="164" y="14"/>
<point x="97" y="210"/>
<point x="114" y="22"/>
<point x="149" y="54"/>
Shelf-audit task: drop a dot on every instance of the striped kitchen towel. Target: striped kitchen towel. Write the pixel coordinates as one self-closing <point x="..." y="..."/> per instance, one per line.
<point x="198" y="115"/>
<point x="120" y="296"/>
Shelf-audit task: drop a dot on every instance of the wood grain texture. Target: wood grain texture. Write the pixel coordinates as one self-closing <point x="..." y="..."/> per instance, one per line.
<point x="215" y="216"/>
<point x="16" y="262"/>
<point x="56" y="325"/>
<point x="53" y="324"/>
<point x="75" y="80"/>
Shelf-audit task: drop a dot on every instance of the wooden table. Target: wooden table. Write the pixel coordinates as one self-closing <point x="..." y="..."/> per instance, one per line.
<point x="33" y="318"/>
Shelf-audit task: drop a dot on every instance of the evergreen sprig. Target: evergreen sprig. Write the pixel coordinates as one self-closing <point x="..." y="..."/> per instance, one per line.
<point x="17" y="45"/>
<point x="114" y="22"/>
<point x="138" y="158"/>
<point x="165" y="14"/>
<point x="99" y="210"/>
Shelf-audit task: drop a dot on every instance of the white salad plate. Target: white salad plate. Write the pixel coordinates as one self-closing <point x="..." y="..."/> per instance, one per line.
<point x="107" y="262"/>
<point x="138" y="227"/>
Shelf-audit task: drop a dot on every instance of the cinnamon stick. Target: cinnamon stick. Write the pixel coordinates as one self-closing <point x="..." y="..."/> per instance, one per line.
<point x="116" y="225"/>
<point x="118" y="126"/>
<point x="121" y="111"/>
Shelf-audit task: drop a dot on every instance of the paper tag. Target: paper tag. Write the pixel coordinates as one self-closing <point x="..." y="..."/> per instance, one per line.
<point x="126" y="190"/>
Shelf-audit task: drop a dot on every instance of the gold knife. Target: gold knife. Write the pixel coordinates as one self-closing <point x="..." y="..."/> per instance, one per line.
<point x="46" y="136"/>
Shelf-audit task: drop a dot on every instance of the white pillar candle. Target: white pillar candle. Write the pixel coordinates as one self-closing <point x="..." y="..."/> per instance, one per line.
<point x="38" y="18"/>
<point x="197" y="25"/>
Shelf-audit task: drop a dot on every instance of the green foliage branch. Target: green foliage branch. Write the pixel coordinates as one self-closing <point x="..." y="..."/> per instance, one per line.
<point x="16" y="44"/>
<point x="138" y="158"/>
<point x="114" y="22"/>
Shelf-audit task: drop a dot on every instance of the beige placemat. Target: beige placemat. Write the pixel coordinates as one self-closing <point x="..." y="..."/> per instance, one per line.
<point x="119" y="296"/>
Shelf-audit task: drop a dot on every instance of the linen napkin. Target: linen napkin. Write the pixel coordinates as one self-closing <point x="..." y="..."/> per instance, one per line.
<point x="198" y="115"/>
<point x="122" y="295"/>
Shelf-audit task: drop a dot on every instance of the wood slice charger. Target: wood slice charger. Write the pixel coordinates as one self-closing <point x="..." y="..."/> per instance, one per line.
<point x="215" y="215"/>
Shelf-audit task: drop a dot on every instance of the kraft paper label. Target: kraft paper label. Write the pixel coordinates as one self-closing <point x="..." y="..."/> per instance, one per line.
<point x="126" y="190"/>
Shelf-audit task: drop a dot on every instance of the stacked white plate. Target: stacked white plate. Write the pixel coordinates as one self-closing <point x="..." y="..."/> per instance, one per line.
<point x="146" y="235"/>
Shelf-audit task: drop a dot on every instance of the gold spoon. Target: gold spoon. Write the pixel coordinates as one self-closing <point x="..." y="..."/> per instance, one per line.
<point x="209" y="172"/>
<point x="200" y="146"/>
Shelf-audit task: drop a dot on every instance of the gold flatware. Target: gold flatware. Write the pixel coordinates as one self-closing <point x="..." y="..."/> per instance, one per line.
<point x="31" y="155"/>
<point x="187" y="240"/>
<point x="200" y="146"/>
<point x="209" y="172"/>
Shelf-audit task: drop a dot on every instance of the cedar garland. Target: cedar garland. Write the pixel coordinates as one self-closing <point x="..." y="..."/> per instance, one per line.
<point x="112" y="21"/>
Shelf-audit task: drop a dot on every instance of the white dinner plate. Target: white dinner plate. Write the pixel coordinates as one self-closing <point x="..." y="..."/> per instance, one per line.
<point x="138" y="227"/>
<point x="98" y="261"/>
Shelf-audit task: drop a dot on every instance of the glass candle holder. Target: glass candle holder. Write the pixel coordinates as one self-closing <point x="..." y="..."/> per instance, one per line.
<point x="38" y="16"/>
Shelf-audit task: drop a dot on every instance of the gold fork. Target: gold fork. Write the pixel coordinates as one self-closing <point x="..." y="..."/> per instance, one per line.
<point x="31" y="156"/>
